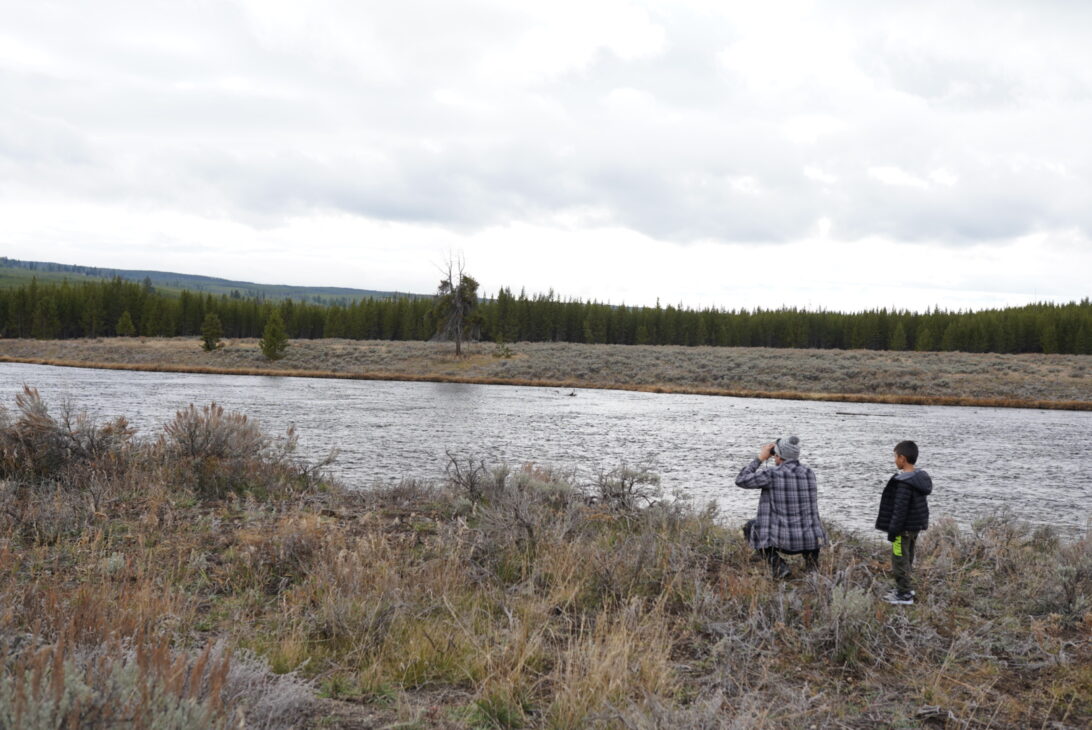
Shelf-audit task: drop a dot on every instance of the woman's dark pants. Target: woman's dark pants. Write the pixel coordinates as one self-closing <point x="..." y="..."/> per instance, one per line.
<point x="773" y="558"/>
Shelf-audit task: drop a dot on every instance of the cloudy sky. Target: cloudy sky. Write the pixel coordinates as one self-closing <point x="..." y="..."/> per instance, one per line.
<point x="843" y="155"/>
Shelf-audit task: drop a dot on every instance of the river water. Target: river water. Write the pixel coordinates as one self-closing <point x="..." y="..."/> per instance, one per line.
<point x="1034" y="463"/>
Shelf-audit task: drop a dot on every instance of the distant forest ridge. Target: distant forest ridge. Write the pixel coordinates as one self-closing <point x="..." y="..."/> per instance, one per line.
<point x="14" y="272"/>
<point x="107" y="308"/>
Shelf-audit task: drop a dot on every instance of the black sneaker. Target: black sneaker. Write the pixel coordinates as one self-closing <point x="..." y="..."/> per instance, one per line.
<point x="900" y="599"/>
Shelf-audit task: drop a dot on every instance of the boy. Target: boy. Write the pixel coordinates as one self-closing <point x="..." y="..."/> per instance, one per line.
<point x="904" y="512"/>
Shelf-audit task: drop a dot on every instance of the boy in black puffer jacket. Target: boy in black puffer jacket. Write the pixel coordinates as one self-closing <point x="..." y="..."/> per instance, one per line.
<point x="904" y="512"/>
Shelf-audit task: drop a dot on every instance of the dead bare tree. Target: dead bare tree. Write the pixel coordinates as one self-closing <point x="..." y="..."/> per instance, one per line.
<point x="456" y="304"/>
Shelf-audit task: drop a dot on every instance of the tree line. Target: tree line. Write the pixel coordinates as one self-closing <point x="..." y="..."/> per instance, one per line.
<point x="119" y="307"/>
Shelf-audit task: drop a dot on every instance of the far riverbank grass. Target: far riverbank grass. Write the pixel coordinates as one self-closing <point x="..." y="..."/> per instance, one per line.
<point x="919" y="378"/>
<point x="205" y="574"/>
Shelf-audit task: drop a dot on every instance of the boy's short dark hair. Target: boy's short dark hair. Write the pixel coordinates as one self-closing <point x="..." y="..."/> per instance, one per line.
<point x="908" y="449"/>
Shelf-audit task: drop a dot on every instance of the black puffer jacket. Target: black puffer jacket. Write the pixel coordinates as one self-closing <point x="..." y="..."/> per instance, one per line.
<point x="904" y="505"/>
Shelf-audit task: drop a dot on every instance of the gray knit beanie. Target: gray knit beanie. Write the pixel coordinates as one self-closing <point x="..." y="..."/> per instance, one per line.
<point x="788" y="447"/>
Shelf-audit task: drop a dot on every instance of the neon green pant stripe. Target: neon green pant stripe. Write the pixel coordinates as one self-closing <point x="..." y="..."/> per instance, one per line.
<point x="897" y="546"/>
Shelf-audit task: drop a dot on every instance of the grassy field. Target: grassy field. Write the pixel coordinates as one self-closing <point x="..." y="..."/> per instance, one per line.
<point x="207" y="576"/>
<point x="1063" y="381"/>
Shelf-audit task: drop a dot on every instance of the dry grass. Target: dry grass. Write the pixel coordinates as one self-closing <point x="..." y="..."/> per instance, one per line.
<point x="1038" y="381"/>
<point x="499" y="598"/>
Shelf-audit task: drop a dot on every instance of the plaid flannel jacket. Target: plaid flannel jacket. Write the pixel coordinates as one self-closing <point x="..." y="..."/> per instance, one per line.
<point x="788" y="511"/>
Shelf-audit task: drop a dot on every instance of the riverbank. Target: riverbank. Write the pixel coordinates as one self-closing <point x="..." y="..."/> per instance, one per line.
<point x="927" y="378"/>
<point x="207" y="573"/>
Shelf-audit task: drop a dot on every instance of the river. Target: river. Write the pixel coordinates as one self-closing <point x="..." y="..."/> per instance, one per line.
<point x="1034" y="463"/>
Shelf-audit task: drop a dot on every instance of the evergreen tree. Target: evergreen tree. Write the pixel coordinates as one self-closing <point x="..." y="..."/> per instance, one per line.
<point x="1083" y="342"/>
<point x="126" y="328"/>
<point x="1049" y="339"/>
<point x="337" y="324"/>
<point x="408" y="324"/>
<point x="211" y="332"/>
<point x="149" y="316"/>
<point x="924" y="340"/>
<point x="898" y="338"/>
<point x="950" y="340"/>
<point x="274" y="337"/>
<point x="46" y="324"/>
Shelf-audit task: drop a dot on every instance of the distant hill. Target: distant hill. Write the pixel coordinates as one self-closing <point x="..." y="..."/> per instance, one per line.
<point x="14" y="272"/>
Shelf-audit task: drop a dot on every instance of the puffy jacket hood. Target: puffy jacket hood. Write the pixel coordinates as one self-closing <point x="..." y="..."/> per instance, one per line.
<point x="919" y="479"/>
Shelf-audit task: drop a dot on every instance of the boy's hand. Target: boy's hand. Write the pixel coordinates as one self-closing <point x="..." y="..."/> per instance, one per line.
<point x="765" y="452"/>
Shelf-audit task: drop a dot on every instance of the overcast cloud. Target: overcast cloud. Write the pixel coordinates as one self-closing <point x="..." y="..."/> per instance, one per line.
<point x="884" y="154"/>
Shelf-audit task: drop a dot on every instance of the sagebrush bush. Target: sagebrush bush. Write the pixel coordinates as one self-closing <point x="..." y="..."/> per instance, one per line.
<point x="58" y="475"/>
<point x="145" y="687"/>
<point x="628" y="489"/>
<point x="209" y="433"/>
<point x="216" y="453"/>
<point x="36" y="446"/>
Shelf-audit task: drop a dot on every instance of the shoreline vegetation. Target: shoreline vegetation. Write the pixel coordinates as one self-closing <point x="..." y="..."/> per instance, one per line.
<point x="864" y="376"/>
<point x="205" y="575"/>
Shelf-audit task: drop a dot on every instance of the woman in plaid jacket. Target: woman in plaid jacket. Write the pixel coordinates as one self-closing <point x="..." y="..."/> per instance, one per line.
<point x="788" y="509"/>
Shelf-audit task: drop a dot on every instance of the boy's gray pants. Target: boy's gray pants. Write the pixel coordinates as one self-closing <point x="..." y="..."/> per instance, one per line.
<point x="902" y="560"/>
